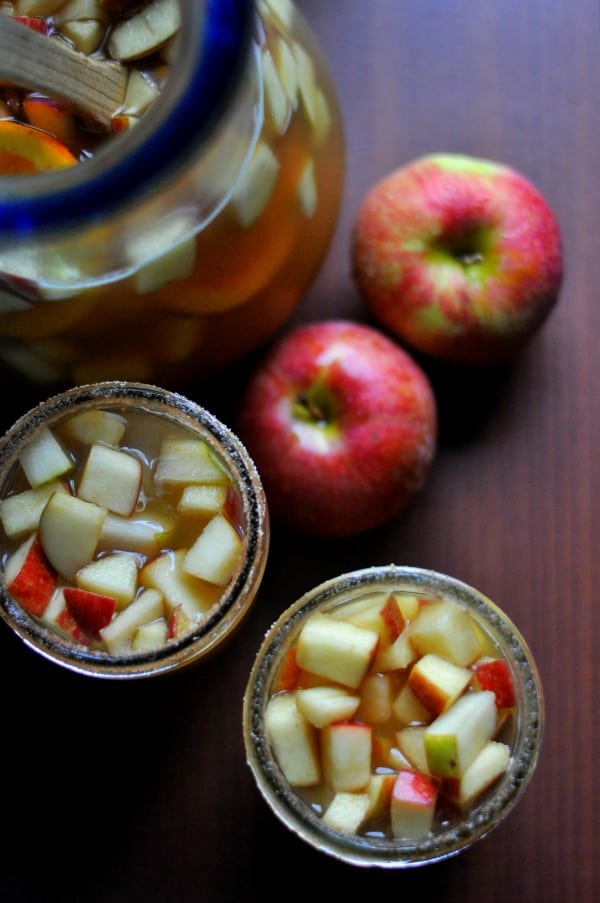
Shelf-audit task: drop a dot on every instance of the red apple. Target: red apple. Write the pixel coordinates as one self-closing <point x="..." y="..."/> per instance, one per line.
<point x="342" y="426"/>
<point x="92" y="611"/>
<point x="459" y="257"/>
<point x="30" y="579"/>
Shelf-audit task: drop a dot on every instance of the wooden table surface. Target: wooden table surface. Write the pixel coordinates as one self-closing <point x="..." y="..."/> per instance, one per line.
<point x="122" y="793"/>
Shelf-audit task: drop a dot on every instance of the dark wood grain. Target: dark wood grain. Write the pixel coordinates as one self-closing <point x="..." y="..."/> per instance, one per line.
<point x="124" y="792"/>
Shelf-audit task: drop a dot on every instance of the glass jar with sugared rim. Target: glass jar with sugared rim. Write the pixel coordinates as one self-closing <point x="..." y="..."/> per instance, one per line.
<point x="134" y="530"/>
<point x="393" y="717"/>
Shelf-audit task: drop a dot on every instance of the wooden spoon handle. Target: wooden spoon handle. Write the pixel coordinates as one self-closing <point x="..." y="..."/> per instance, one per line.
<point x="95" y="88"/>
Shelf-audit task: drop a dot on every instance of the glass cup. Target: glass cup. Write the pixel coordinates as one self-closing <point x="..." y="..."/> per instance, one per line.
<point x="301" y="810"/>
<point x="193" y="616"/>
<point x="189" y="236"/>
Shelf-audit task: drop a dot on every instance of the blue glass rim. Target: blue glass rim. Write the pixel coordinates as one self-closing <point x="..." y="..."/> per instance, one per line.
<point x="218" y="41"/>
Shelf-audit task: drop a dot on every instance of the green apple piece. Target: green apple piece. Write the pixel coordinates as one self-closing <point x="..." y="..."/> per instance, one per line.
<point x="20" y="513"/>
<point x="256" y="185"/>
<point x="347" y="812"/>
<point x="111" y="478"/>
<point x="412" y="806"/>
<point x="407" y="708"/>
<point x="335" y="649"/>
<point x="150" y="636"/>
<point x="411" y="743"/>
<point x="112" y="575"/>
<point x="146" y="31"/>
<point x="489" y="764"/>
<point x="294" y="741"/>
<point x="166" y="573"/>
<point x="146" y="533"/>
<point x="200" y="501"/>
<point x="216" y="552"/>
<point x="90" y="427"/>
<point x="44" y="459"/>
<point x="346" y="755"/>
<point x="454" y="738"/>
<point x="183" y="461"/>
<point x="446" y="629"/>
<point x="147" y="607"/>
<point x="323" y="704"/>
<point x="437" y="682"/>
<point x="69" y="532"/>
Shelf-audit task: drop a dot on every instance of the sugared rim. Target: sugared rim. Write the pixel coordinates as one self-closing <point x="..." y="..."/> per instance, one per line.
<point x="299" y="817"/>
<point x="237" y="597"/>
<point x="213" y="46"/>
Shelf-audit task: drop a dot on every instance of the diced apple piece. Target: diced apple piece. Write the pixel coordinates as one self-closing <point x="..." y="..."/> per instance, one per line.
<point x="494" y="674"/>
<point x="346" y="755"/>
<point x="446" y="629"/>
<point x="285" y="64"/>
<point x="92" y="611"/>
<point x="396" y="656"/>
<point x="277" y="106"/>
<point x="253" y="192"/>
<point x="336" y="649"/>
<point x="215" y="554"/>
<point x="379" y="612"/>
<point x="411" y="743"/>
<point x="86" y="34"/>
<point x="312" y="97"/>
<point x="437" y="682"/>
<point x="111" y="478"/>
<point x="200" y="501"/>
<point x="69" y="531"/>
<point x="58" y="617"/>
<point x="145" y="533"/>
<point x="289" y="672"/>
<point x="145" y="31"/>
<point x="140" y="93"/>
<point x="30" y="579"/>
<point x="323" y="705"/>
<point x="179" y="624"/>
<point x="95" y="426"/>
<point x="376" y="696"/>
<point x="80" y="9"/>
<point x="456" y="736"/>
<point x="38" y="7"/>
<point x="166" y="574"/>
<point x="294" y="741"/>
<point x="118" y="635"/>
<point x="408" y="708"/>
<point x="112" y="575"/>
<point x="164" y="251"/>
<point x="44" y="459"/>
<point x="412" y="806"/>
<point x="346" y="812"/>
<point x="183" y="461"/>
<point x="20" y="513"/>
<point x="489" y="764"/>
<point x="307" y="189"/>
<point x="150" y="636"/>
<point x="409" y="604"/>
<point x="282" y="12"/>
<point x="380" y="792"/>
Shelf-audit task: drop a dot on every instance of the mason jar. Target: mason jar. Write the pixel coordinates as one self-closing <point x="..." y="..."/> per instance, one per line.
<point x="186" y="237"/>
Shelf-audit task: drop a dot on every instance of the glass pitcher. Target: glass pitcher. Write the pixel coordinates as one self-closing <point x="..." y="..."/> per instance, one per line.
<point x="187" y="238"/>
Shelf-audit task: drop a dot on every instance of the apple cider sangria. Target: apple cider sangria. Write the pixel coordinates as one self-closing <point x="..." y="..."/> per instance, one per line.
<point x="394" y="717"/>
<point x="180" y="237"/>
<point x="132" y="524"/>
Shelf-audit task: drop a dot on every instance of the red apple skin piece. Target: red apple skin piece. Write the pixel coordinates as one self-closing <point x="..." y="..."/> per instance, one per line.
<point x="92" y="611"/>
<point x="342" y="425"/>
<point x="37" y="23"/>
<point x="69" y="625"/>
<point x="494" y="674"/>
<point x="288" y="676"/>
<point x="33" y="585"/>
<point x="393" y="618"/>
<point x="459" y="257"/>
